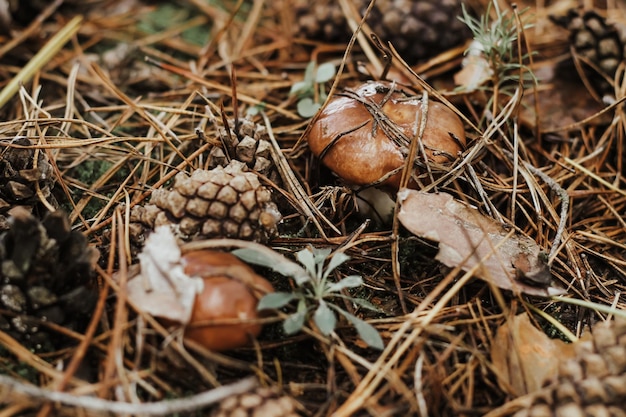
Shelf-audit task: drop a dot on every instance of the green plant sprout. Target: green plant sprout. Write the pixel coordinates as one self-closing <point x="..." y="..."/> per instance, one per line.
<point x="496" y="41"/>
<point x="308" y="103"/>
<point x="256" y="109"/>
<point x="315" y="293"/>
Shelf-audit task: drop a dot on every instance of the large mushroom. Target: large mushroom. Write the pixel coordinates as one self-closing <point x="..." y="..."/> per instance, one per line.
<point x="363" y="135"/>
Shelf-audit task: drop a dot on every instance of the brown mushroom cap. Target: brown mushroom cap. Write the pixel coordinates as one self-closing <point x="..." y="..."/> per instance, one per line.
<point x="353" y="134"/>
<point x="231" y="291"/>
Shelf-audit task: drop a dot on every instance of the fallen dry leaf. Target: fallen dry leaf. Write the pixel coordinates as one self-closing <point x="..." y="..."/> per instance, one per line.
<point x="162" y="289"/>
<point x="475" y="69"/>
<point x="525" y="357"/>
<point x="467" y="239"/>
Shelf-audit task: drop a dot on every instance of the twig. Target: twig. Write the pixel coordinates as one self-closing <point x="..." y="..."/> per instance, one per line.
<point x="11" y="387"/>
<point x="419" y="386"/>
<point x="563" y="196"/>
<point x="38" y="61"/>
<point x="308" y="208"/>
<point x="357" y="28"/>
<point x="594" y="176"/>
<point x="219" y="87"/>
<point x="586" y="120"/>
<point x="418" y="133"/>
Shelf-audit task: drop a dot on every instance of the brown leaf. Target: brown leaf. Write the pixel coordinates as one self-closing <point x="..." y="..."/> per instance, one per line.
<point x="525" y="357"/>
<point x="468" y="239"/>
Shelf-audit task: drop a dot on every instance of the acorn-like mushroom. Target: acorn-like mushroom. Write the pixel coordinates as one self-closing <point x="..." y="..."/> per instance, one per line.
<point x="362" y="135"/>
<point x="231" y="292"/>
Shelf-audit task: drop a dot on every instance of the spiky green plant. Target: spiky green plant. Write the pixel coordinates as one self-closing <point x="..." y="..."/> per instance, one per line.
<point x="498" y="42"/>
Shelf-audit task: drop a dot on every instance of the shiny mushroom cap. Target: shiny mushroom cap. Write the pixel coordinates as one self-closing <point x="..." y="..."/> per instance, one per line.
<point x="231" y="293"/>
<point x="364" y="134"/>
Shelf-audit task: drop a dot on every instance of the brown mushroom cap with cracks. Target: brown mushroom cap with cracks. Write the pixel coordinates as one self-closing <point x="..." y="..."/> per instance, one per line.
<point x="231" y="293"/>
<point x="364" y="134"/>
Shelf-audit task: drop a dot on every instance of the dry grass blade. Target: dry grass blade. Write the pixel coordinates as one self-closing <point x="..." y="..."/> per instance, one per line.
<point x="16" y="391"/>
<point x="310" y="211"/>
<point x="42" y="58"/>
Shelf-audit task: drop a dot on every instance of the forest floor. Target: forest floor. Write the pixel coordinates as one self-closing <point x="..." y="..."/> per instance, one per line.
<point x="126" y="95"/>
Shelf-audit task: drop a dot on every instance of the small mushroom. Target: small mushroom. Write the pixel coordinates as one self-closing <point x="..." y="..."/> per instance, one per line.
<point x="231" y="292"/>
<point x="363" y="135"/>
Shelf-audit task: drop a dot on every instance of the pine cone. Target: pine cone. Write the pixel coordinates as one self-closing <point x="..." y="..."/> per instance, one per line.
<point x="263" y="402"/>
<point x="591" y="384"/>
<point x="19" y="177"/>
<point x="603" y="44"/>
<point x="247" y="142"/>
<point x="47" y="276"/>
<point x="418" y="29"/>
<point x="222" y="202"/>
<point x="321" y="20"/>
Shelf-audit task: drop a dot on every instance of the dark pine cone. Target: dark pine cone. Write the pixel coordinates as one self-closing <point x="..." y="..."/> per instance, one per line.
<point x="46" y="276"/>
<point x="247" y="142"/>
<point x="320" y="20"/>
<point x="601" y="43"/>
<point x="20" y="177"/>
<point x="418" y="29"/>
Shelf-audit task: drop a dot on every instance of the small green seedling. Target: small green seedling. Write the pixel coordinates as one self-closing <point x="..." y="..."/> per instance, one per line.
<point x="305" y="89"/>
<point x="496" y="43"/>
<point x="315" y="292"/>
<point x="255" y="110"/>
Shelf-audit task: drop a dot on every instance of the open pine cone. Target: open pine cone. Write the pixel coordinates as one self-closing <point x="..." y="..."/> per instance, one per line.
<point x="418" y="29"/>
<point x="247" y="142"/>
<point x="263" y="402"/>
<point x="601" y="43"/>
<point x="20" y="176"/>
<point x="593" y="383"/>
<point x="321" y="20"/>
<point x="221" y="202"/>
<point x="46" y="276"/>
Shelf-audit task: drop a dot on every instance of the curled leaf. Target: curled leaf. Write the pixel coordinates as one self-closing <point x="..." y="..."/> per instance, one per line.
<point x="475" y="69"/>
<point x="525" y="357"/>
<point x="469" y="240"/>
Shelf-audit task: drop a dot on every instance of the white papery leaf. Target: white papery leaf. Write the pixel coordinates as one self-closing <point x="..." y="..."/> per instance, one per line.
<point x="162" y="288"/>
